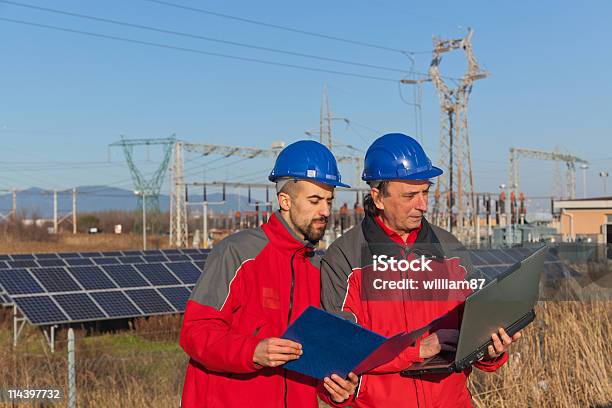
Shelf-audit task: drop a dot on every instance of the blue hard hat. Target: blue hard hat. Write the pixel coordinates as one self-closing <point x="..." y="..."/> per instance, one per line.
<point x="396" y="156"/>
<point x="307" y="160"/>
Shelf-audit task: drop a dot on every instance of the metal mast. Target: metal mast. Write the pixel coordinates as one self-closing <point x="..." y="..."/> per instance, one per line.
<point x="454" y="204"/>
<point x="148" y="186"/>
<point x="178" y="205"/>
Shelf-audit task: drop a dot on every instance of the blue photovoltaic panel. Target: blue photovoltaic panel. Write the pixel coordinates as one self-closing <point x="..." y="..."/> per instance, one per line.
<point x="178" y="296"/>
<point x="106" y="261"/>
<point x="79" y="261"/>
<point x="51" y="262"/>
<point x="91" y="277"/>
<point x="23" y="264"/>
<point x="149" y="301"/>
<point x="186" y="271"/>
<point x="115" y="304"/>
<point x="65" y="255"/>
<point x="40" y="309"/>
<point x="198" y="257"/>
<point x="154" y="258"/>
<point x="3" y="265"/>
<point x="153" y="252"/>
<point x="23" y="257"/>
<point x="130" y="259"/>
<point x="5" y="258"/>
<point x="171" y="251"/>
<point x="19" y="282"/>
<point x="112" y="253"/>
<point x="91" y="254"/>
<point x="190" y="250"/>
<point x="79" y="306"/>
<point x="177" y="258"/>
<point x="126" y="276"/>
<point x="131" y="253"/>
<point x="157" y="274"/>
<point x="46" y="256"/>
<point x="55" y="279"/>
<point x="503" y="256"/>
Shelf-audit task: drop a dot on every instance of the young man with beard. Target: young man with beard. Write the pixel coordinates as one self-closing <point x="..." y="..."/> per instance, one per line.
<point x="399" y="172"/>
<point x="254" y="284"/>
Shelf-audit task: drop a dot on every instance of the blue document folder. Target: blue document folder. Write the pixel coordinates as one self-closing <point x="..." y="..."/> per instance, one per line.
<point x="333" y="345"/>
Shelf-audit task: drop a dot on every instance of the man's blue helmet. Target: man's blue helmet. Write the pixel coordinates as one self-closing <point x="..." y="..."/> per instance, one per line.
<point x="396" y="156"/>
<point x="307" y="160"/>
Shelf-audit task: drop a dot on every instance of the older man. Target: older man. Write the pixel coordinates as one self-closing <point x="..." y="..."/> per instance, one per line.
<point x="399" y="174"/>
<point x="254" y="284"/>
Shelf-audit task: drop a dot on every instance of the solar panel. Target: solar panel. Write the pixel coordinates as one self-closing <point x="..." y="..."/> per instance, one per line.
<point x="106" y="261"/>
<point x="503" y="256"/>
<point x="171" y="251"/>
<point x="5" y="258"/>
<point x="154" y="258"/>
<point x="91" y="254"/>
<point x="22" y="257"/>
<point x="40" y="309"/>
<point x="130" y="259"/>
<point x="149" y="301"/>
<point x="19" y="282"/>
<point x="79" y="261"/>
<point x="177" y="296"/>
<point x="177" y="257"/>
<point x="22" y="264"/>
<point x="186" y="271"/>
<point x="55" y="279"/>
<point x="190" y="250"/>
<point x="4" y="265"/>
<point x="79" y="306"/>
<point x="126" y="276"/>
<point x="46" y="256"/>
<point x="157" y="274"/>
<point x="116" y="304"/>
<point x="51" y="262"/>
<point x="132" y="253"/>
<point x="198" y="257"/>
<point x="65" y="255"/>
<point x="91" y="277"/>
<point x="112" y="253"/>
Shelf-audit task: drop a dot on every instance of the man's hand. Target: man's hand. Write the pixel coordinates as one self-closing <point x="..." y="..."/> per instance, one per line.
<point x="340" y="390"/>
<point x="273" y="352"/>
<point x="501" y="342"/>
<point x="443" y="339"/>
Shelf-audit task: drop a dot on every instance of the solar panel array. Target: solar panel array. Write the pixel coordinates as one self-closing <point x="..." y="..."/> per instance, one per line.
<point x="77" y="287"/>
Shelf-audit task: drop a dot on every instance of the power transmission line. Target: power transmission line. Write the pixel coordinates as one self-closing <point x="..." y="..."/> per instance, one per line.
<point x="199" y="37"/>
<point x="195" y="51"/>
<point x="285" y="28"/>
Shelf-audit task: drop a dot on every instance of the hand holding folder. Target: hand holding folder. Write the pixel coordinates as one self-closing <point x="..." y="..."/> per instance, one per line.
<point x="333" y="345"/>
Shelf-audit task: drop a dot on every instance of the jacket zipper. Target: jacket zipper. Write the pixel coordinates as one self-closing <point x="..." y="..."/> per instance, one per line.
<point x="289" y="317"/>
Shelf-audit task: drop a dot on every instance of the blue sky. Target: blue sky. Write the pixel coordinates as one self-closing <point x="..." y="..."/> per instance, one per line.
<point x="65" y="97"/>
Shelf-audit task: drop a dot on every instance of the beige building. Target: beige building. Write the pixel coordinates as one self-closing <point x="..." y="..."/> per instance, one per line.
<point x="585" y="218"/>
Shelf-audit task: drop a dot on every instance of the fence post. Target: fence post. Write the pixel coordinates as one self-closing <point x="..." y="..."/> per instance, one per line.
<point x="71" y="370"/>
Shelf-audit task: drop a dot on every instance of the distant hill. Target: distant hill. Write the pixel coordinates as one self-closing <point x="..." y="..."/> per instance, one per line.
<point x="102" y="198"/>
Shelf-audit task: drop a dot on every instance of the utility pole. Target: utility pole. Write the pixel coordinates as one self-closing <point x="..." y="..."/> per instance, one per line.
<point x="55" y="221"/>
<point x="584" y="168"/>
<point x="74" y="211"/>
<point x="178" y="206"/>
<point x="604" y="179"/>
<point x="454" y="204"/>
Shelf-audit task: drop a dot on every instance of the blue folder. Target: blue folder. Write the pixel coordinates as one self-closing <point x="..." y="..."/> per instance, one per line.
<point x="333" y="345"/>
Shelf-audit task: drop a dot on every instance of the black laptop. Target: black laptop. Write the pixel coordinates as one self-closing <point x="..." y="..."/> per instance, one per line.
<point x="507" y="302"/>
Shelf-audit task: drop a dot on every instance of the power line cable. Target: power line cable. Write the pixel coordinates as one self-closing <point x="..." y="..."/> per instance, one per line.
<point x="200" y="37"/>
<point x="196" y="51"/>
<point x="285" y="28"/>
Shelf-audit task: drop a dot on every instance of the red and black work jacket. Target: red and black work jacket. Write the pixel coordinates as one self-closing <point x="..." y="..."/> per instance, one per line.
<point x="255" y="283"/>
<point x="351" y="287"/>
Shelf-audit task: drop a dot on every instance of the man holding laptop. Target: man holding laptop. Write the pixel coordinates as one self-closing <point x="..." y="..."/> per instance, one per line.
<point x="359" y="282"/>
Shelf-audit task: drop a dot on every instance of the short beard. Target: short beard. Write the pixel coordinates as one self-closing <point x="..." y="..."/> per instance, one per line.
<point x="311" y="234"/>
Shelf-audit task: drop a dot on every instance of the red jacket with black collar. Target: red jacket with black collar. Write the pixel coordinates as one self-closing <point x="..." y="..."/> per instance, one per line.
<point x="254" y="284"/>
<point x="348" y="288"/>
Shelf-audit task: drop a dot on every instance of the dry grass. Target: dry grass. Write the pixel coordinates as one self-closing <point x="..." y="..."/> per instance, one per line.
<point x="10" y="244"/>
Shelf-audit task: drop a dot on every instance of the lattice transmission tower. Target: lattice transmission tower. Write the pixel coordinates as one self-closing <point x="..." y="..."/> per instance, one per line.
<point x="147" y="186"/>
<point x="454" y="201"/>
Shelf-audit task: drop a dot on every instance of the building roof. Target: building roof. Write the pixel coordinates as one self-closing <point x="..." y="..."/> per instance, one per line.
<point x="599" y="203"/>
